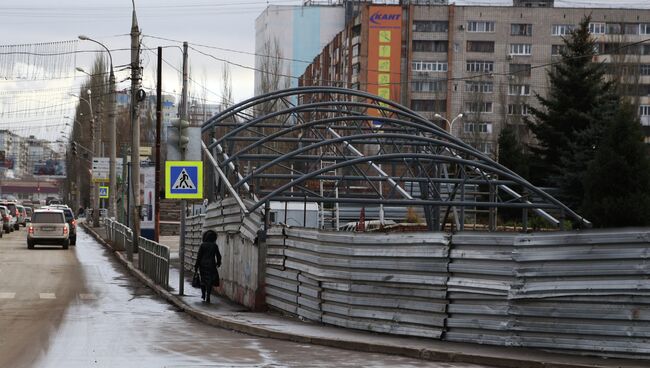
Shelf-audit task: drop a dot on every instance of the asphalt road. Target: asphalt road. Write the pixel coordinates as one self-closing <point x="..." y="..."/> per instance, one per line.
<point x="80" y="308"/>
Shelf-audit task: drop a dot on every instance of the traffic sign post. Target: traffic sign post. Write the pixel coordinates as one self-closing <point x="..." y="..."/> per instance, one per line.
<point x="103" y="192"/>
<point x="184" y="179"/>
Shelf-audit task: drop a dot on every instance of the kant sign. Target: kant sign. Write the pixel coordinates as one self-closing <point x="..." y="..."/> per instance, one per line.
<point x="377" y="17"/>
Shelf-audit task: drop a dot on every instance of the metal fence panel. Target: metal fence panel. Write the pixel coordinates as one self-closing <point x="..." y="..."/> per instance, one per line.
<point x="392" y="283"/>
<point x="153" y="260"/>
<point x="480" y="273"/>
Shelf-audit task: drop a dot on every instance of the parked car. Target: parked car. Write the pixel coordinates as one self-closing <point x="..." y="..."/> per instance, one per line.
<point x="48" y="227"/>
<point x="70" y="219"/>
<point x="28" y="212"/>
<point x="13" y="210"/>
<point x="23" y="215"/>
<point x="8" y="221"/>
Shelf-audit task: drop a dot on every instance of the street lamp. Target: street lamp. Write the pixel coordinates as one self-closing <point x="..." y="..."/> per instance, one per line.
<point x="113" y="105"/>
<point x="450" y="125"/>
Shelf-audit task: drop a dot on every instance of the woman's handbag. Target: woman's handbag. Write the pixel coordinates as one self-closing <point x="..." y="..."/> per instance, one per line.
<point x="196" y="279"/>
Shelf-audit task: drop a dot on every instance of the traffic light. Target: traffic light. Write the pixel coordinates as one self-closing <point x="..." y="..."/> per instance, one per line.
<point x="180" y="139"/>
<point x="74" y="148"/>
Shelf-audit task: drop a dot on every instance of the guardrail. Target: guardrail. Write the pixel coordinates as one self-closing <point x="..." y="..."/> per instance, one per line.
<point x="153" y="258"/>
<point x="119" y="235"/>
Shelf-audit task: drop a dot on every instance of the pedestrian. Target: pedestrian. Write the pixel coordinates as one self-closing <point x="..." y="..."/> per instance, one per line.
<point x="207" y="262"/>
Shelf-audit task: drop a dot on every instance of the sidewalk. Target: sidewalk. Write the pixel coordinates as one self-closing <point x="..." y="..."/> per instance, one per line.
<point x="226" y="314"/>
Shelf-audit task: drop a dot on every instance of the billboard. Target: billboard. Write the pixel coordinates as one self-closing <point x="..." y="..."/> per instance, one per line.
<point x="384" y="51"/>
<point x="51" y="167"/>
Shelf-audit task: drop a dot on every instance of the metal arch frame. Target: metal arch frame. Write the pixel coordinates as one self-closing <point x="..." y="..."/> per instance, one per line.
<point x="403" y="119"/>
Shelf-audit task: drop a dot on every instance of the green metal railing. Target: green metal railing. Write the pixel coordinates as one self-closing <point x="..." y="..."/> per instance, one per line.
<point x="153" y="258"/>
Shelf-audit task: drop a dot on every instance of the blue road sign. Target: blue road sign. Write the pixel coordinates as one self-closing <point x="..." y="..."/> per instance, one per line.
<point x="103" y="192"/>
<point x="184" y="179"/>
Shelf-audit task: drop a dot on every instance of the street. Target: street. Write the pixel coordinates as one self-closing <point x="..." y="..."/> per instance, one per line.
<point x="80" y="308"/>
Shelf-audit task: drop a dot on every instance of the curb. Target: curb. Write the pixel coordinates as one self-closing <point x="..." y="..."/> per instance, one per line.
<point x="355" y="345"/>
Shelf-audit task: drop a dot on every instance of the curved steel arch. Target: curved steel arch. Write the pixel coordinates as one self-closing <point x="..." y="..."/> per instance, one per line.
<point x="335" y="145"/>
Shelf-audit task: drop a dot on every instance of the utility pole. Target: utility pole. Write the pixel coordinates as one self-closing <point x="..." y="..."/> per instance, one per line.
<point x="98" y="152"/>
<point x="112" y="175"/>
<point x="183" y="116"/>
<point x="156" y="235"/>
<point x="135" y="126"/>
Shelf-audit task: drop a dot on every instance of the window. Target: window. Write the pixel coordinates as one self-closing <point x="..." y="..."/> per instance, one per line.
<point x="645" y="49"/>
<point x="480" y="66"/>
<point x="478" y="107"/>
<point x="521" y="29"/>
<point x="480" y="26"/>
<point x="517" y="109"/>
<point x="355" y="50"/>
<point x="47" y="218"/>
<point x="430" y="26"/>
<point x="519" y="90"/>
<point x="520" y="70"/>
<point x="520" y="49"/>
<point x="356" y="68"/>
<point x="644" y="28"/>
<point x="644" y="69"/>
<point x="561" y="29"/>
<point x="477" y="127"/>
<point x="479" y="87"/>
<point x="597" y="28"/>
<point x="557" y="49"/>
<point x="614" y="28"/>
<point x="430" y="46"/>
<point x="644" y="112"/>
<point x="631" y="28"/>
<point x="480" y="46"/>
<point x="438" y="106"/>
<point x="429" y="66"/>
<point x="485" y="147"/>
<point x="428" y="86"/>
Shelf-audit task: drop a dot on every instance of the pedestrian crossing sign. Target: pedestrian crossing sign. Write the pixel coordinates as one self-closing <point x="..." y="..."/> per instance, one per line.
<point x="184" y="179"/>
<point x="103" y="192"/>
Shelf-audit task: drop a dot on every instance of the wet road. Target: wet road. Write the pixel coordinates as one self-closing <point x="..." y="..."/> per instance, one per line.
<point x="80" y="308"/>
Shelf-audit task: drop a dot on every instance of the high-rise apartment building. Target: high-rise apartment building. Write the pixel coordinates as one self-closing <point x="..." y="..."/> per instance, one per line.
<point x="486" y="62"/>
<point x="296" y="34"/>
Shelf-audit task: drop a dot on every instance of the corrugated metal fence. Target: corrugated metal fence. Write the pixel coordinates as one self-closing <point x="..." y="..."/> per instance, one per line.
<point x="584" y="292"/>
<point x="193" y="238"/>
<point x="581" y="292"/>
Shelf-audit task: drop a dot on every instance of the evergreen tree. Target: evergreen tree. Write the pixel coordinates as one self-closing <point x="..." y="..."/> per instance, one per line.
<point x="570" y="121"/>
<point x="511" y="152"/>
<point x="617" y="182"/>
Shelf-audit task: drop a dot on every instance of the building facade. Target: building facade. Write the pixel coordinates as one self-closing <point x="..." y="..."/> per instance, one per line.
<point x="486" y="62"/>
<point x="296" y="34"/>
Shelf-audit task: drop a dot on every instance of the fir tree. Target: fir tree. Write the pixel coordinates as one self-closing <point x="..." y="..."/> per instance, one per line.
<point x="570" y="121"/>
<point x="617" y="182"/>
<point x="511" y="152"/>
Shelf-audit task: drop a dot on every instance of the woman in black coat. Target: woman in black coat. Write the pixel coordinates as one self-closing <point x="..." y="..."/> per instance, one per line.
<point x="207" y="262"/>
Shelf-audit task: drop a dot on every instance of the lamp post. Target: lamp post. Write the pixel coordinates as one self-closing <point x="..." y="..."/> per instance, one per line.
<point x="112" y="178"/>
<point x="450" y="125"/>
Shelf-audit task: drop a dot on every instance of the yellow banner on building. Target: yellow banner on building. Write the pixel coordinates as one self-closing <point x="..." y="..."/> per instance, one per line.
<point x="384" y="52"/>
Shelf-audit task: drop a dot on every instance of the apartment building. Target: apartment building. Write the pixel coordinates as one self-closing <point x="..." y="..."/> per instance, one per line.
<point x="296" y="34"/>
<point x="486" y="62"/>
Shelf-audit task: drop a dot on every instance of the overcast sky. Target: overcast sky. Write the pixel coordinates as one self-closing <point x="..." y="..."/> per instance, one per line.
<point x="226" y="25"/>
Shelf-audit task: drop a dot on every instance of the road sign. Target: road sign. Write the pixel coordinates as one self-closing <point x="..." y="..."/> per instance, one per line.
<point x="101" y="169"/>
<point x="103" y="192"/>
<point x="184" y="179"/>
